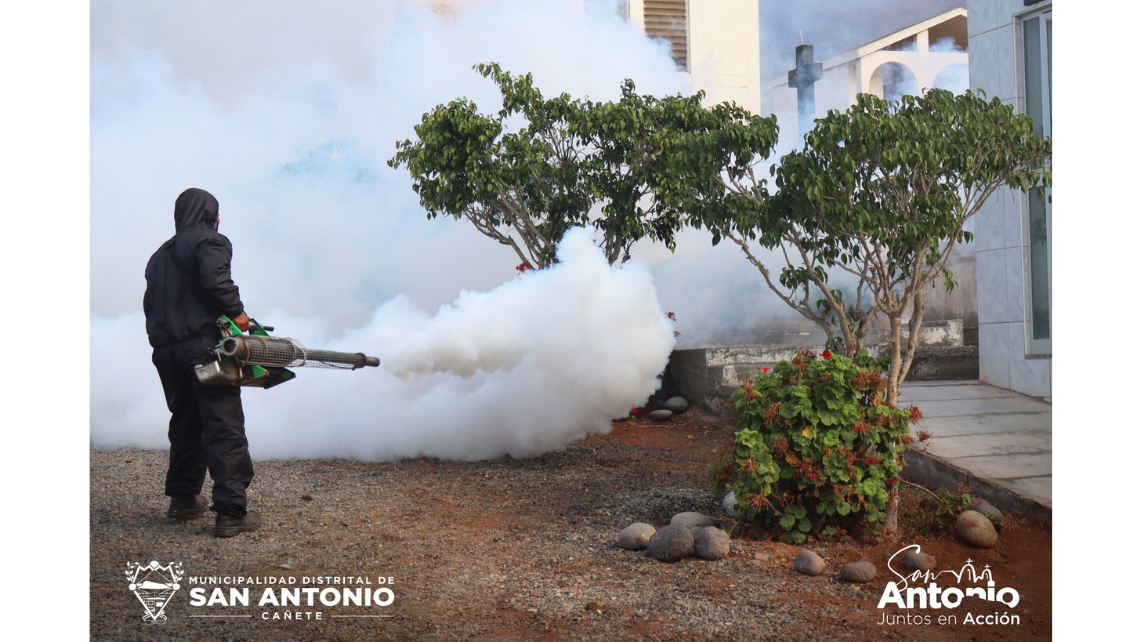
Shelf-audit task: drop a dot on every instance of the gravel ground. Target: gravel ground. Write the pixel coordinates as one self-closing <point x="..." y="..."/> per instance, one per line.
<point x="493" y="550"/>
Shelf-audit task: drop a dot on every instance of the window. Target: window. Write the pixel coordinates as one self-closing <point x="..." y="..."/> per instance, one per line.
<point x="666" y="20"/>
<point x="1036" y="63"/>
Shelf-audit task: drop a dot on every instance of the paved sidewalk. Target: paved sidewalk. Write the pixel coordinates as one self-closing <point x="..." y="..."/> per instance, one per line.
<point x="995" y="434"/>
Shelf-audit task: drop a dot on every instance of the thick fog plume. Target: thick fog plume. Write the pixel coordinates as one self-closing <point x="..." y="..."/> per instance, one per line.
<point x="287" y="112"/>
<point x="520" y="370"/>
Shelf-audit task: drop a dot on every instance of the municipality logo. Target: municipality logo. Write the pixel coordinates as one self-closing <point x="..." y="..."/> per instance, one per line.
<point x="154" y="585"/>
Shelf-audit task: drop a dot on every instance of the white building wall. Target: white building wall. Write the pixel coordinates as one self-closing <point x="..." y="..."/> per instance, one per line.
<point x="1001" y="225"/>
<point x="724" y="49"/>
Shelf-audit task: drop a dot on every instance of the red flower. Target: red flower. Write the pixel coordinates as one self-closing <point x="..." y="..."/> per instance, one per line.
<point x="670" y="315"/>
<point x="826" y="354"/>
<point x="765" y="369"/>
<point x="923" y="435"/>
<point x="914" y="414"/>
<point x="523" y="267"/>
<point x="750" y="393"/>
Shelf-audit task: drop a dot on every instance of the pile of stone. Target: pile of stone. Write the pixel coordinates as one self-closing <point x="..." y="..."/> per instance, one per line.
<point x="686" y="534"/>
<point x="810" y="563"/>
<point x="672" y="406"/>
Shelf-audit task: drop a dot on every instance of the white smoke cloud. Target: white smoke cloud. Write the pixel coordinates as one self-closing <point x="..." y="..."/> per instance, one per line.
<point x="520" y="370"/>
<point x="287" y="112"/>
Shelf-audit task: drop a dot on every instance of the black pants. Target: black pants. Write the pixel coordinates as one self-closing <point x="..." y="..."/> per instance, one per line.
<point x="207" y="429"/>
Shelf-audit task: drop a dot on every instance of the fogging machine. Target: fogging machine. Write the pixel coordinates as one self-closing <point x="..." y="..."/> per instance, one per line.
<point x="259" y="360"/>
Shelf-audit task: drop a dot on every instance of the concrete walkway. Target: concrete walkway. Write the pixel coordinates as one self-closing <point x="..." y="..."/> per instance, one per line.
<point x="996" y="435"/>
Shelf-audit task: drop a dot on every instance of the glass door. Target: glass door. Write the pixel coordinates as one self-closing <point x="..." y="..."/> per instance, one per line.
<point x="1037" y="92"/>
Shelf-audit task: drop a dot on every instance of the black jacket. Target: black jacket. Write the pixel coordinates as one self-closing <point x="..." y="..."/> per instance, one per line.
<point x="188" y="278"/>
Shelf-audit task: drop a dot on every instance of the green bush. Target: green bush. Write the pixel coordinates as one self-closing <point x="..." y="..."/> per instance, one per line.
<point x="815" y="450"/>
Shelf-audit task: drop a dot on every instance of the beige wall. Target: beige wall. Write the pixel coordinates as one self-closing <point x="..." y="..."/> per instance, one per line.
<point x="724" y="50"/>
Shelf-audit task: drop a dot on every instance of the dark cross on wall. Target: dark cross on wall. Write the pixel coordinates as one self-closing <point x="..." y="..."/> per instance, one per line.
<point x="803" y="77"/>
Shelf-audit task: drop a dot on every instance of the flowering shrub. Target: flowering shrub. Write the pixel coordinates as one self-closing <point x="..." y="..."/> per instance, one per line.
<point x="816" y="447"/>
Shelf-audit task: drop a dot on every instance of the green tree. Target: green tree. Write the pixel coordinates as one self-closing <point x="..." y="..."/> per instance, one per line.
<point x="571" y="163"/>
<point x="880" y="192"/>
<point x="884" y="191"/>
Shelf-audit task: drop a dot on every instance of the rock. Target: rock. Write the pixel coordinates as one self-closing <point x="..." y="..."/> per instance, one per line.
<point x="660" y="415"/>
<point x="694" y="530"/>
<point x="976" y="502"/>
<point x="712" y="543"/>
<point x="919" y="561"/>
<point x="676" y="405"/>
<point x="976" y="529"/>
<point x="990" y="512"/>
<point x="635" y="536"/>
<point x="858" y="572"/>
<point x="809" y="563"/>
<point x="730" y="504"/>
<point x="686" y="520"/>
<point x="670" y="543"/>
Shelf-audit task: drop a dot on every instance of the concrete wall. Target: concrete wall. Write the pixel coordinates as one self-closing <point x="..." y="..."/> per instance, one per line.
<point x="1000" y="227"/>
<point x="960" y="303"/>
<point x="708" y="376"/>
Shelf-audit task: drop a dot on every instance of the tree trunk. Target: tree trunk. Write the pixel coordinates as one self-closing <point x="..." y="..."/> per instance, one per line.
<point x="891" y="514"/>
<point x="894" y="366"/>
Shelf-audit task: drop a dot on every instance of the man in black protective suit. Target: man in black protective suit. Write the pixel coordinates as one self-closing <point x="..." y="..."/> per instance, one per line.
<point x="188" y="287"/>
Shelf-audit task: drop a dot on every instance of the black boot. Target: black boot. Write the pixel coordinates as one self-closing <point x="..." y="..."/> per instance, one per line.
<point x="186" y="507"/>
<point x="227" y="526"/>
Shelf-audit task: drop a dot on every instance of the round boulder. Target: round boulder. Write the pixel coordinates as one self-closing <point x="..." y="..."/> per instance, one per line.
<point x="676" y="405"/>
<point x="635" y="536"/>
<point x="919" y="561"/>
<point x="730" y="504"/>
<point x="660" y="415"/>
<point x="860" y="572"/>
<point x="670" y="543"/>
<point x="976" y="529"/>
<point x="686" y="520"/>
<point x="712" y="543"/>
<point x="990" y="512"/>
<point x="976" y="502"/>
<point x="809" y="563"/>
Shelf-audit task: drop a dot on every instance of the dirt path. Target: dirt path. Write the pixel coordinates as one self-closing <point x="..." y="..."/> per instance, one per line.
<point x="516" y="550"/>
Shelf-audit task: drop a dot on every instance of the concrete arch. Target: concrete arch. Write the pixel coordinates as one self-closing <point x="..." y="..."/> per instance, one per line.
<point x="925" y="66"/>
<point x="953" y="77"/>
<point x="892" y="79"/>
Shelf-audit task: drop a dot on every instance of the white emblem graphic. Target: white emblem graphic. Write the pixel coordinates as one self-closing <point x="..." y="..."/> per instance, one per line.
<point x="154" y="585"/>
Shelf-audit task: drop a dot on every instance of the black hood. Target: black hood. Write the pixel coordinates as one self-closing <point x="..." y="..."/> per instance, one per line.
<point x="195" y="208"/>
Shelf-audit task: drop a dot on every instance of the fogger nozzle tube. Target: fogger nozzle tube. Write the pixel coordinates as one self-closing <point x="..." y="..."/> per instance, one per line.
<point x="286" y="353"/>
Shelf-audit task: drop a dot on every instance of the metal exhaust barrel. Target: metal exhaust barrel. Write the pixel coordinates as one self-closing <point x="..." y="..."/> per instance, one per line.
<point x="283" y="352"/>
